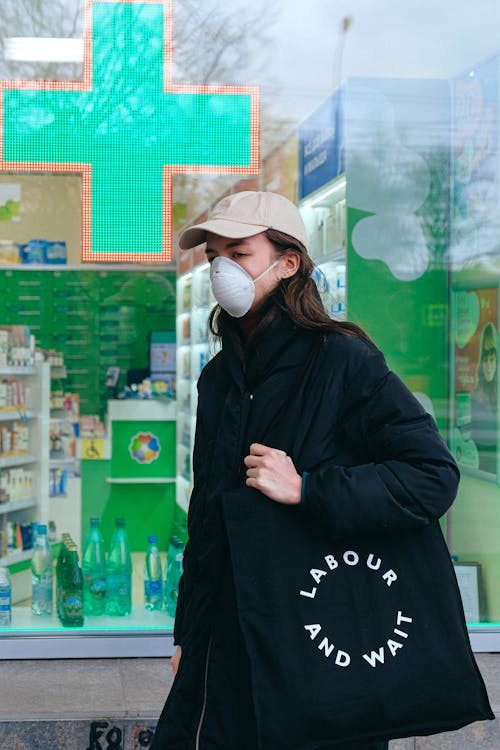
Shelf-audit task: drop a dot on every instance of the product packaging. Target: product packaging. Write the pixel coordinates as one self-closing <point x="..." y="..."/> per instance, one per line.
<point x="9" y="252"/>
<point x="32" y="251"/>
<point x="55" y="253"/>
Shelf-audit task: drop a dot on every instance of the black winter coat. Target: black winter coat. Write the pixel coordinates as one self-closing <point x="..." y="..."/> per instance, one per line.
<point x="374" y="461"/>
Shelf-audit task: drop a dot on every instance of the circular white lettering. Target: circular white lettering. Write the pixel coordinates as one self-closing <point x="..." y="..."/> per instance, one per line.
<point x="386" y="645"/>
<point x="351" y="557"/>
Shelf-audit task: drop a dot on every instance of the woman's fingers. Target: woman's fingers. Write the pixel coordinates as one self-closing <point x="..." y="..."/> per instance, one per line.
<point x="273" y="473"/>
<point x="257" y="449"/>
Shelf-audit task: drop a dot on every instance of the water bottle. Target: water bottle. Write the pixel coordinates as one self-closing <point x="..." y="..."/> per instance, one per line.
<point x="71" y="588"/>
<point x="153" y="576"/>
<point x="94" y="571"/>
<point x="5" y="598"/>
<point x="42" y="573"/>
<point x="173" y="573"/>
<point x="119" y="573"/>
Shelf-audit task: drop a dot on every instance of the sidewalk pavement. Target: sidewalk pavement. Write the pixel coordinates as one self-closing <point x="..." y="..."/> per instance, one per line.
<point x="89" y="704"/>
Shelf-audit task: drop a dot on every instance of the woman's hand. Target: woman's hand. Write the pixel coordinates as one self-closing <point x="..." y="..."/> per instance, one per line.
<point x="176" y="658"/>
<point x="272" y="472"/>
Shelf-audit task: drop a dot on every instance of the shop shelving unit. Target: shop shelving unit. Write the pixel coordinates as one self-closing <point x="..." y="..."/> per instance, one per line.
<point x="325" y="215"/>
<point x="194" y="302"/>
<point x="35" y="507"/>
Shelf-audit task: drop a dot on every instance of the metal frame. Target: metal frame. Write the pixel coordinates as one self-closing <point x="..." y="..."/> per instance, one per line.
<point x="117" y="645"/>
<point x="85" y="645"/>
<point x="485" y="639"/>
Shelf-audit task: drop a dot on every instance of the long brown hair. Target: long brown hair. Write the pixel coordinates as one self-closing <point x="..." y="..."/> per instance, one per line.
<point x="297" y="297"/>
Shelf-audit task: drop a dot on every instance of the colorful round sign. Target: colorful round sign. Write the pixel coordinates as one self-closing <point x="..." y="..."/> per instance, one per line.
<point x="144" y="447"/>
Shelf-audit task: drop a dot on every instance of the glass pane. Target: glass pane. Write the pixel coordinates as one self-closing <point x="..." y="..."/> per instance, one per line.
<point x="381" y="122"/>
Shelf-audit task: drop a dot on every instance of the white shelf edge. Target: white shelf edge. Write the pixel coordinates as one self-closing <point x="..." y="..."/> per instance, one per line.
<point x="64" y="461"/>
<point x="10" y="461"/>
<point x="137" y="480"/>
<point x="11" y="416"/>
<point x="12" y="506"/>
<point x="18" y="370"/>
<point x="15" y="557"/>
<point x="170" y="266"/>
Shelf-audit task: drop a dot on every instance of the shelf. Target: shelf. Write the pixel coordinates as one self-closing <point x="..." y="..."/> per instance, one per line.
<point x="12" y="416"/>
<point x="11" y="507"/>
<point x="337" y="256"/>
<point x="170" y="266"/>
<point x="64" y="461"/>
<point x="7" y="462"/>
<point x="18" y="371"/>
<point x="16" y="557"/>
<point x="56" y="413"/>
<point x="138" y="480"/>
<point x="139" y="620"/>
<point x="150" y="409"/>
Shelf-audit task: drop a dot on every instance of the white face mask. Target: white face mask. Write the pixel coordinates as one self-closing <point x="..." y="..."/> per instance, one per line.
<point x="233" y="287"/>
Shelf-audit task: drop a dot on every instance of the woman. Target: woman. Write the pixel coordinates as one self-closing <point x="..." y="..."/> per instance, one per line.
<point x="276" y="337"/>
<point x="484" y="425"/>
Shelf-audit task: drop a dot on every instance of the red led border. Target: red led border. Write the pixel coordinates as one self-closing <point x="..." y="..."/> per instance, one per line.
<point x="168" y="170"/>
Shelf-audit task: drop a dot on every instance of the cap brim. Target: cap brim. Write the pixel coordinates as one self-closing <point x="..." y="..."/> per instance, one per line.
<point x="196" y="235"/>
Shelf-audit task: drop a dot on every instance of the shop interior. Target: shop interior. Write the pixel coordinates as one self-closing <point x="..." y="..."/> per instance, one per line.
<point x="99" y="362"/>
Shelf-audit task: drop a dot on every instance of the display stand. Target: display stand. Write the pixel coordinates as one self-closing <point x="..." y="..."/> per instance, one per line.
<point x="143" y="633"/>
<point x="34" y="507"/>
<point x="194" y="302"/>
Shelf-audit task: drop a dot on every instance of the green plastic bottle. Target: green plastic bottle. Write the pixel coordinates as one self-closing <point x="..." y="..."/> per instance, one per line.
<point x="94" y="571"/>
<point x="72" y="589"/>
<point x="60" y="568"/>
<point x="119" y="573"/>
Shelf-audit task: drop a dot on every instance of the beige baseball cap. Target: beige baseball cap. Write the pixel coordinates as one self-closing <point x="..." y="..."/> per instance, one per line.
<point x="245" y="214"/>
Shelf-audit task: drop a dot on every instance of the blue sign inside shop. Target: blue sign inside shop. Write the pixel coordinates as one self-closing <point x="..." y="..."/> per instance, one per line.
<point x="320" y="146"/>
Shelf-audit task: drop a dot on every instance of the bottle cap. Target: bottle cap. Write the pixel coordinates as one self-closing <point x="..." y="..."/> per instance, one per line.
<point x="120" y="522"/>
<point x="152" y="539"/>
<point x="94" y="521"/>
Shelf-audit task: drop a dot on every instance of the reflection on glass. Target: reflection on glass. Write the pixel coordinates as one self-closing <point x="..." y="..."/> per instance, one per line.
<point x="395" y="168"/>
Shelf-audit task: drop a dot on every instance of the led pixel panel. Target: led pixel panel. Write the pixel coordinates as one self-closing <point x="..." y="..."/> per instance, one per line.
<point x="127" y="129"/>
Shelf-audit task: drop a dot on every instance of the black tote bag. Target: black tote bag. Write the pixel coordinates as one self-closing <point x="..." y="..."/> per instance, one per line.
<point x="351" y="639"/>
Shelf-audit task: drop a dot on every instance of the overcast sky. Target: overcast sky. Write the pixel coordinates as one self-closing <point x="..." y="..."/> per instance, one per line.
<point x="409" y="38"/>
<point x="387" y="38"/>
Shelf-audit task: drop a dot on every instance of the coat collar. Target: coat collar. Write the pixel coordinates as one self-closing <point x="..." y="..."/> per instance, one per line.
<point x="283" y="345"/>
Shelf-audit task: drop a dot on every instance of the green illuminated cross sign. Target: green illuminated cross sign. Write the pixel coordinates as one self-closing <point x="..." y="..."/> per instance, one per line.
<point x="127" y="129"/>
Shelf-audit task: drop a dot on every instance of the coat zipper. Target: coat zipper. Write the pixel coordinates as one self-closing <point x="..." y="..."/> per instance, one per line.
<point x="242" y="470"/>
<point x="204" y="706"/>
